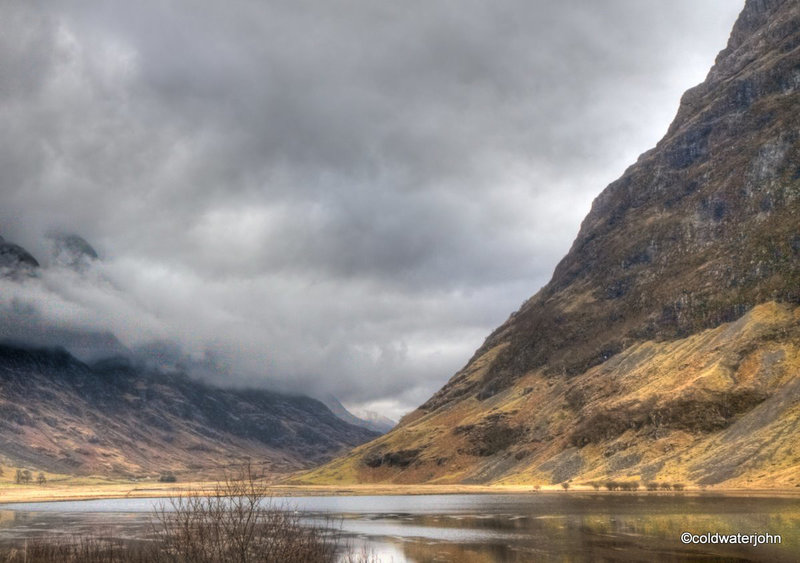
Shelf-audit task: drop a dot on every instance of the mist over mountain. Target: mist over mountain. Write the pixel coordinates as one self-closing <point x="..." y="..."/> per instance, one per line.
<point x="15" y="260"/>
<point x="76" y="400"/>
<point x="366" y="419"/>
<point x="296" y="195"/>
<point x="65" y="299"/>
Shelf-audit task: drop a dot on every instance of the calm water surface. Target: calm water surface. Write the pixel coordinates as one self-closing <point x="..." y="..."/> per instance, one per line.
<point x="483" y="528"/>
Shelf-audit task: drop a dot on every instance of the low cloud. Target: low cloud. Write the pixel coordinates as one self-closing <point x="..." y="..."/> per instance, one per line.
<point x="341" y="198"/>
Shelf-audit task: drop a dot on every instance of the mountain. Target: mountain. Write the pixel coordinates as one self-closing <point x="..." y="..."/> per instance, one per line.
<point x="72" y="251"/>
<point x="666" y="346"/>
<point x="114" y="418"/>
<point x="15" y="260"/>
<point x="368" y="419"/>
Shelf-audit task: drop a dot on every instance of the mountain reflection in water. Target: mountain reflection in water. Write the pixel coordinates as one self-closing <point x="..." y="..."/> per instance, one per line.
<point x="484" y="528"/>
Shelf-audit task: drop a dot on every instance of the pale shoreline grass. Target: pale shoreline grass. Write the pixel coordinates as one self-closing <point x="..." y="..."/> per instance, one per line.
<point x="100" y="489"/>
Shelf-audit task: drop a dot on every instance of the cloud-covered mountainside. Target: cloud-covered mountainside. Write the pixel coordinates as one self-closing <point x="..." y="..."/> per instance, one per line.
<point x="64" y="298"/>
<point x="667" y="344"/>
<point x="15" y="260"/>
<point x="131" y="411"/>
<point x="316" y="194"/>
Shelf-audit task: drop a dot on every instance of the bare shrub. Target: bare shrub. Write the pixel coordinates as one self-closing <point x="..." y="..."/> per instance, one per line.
<point x="238" y="521"/>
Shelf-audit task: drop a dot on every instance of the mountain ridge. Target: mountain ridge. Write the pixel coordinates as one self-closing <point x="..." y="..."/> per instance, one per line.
<point x="660" y="170"/>
<point x="114" y="418"/>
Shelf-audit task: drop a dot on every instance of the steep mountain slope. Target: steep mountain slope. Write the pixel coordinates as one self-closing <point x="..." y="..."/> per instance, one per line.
<point x="666" y="344"/>
<point x="111" y="418"/>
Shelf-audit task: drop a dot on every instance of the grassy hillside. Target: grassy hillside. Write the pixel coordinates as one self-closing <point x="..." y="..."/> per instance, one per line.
<point x="720" y="406"/>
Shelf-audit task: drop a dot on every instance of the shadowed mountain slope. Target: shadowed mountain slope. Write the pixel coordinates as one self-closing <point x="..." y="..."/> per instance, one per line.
<point x="112" y="418"/>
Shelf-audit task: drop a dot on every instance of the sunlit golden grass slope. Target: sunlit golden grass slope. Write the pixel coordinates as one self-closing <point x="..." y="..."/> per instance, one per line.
<point x="718" y="407"/>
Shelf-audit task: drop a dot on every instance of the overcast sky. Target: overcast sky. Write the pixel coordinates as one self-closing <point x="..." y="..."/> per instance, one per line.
<point x="342" y="196"/>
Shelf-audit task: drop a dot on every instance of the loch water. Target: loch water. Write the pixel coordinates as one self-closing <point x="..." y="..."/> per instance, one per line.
<point x="569" y="526"/>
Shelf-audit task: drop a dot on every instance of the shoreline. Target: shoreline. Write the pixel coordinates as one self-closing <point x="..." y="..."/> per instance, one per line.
<point x="66" y="492"/>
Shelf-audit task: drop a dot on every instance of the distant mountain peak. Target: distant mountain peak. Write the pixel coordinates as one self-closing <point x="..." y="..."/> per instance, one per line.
<point x="15" y="261"/>
<point x="72" y="251"/>
<point x="364" y="419"/>
<point x="375" y="421"/>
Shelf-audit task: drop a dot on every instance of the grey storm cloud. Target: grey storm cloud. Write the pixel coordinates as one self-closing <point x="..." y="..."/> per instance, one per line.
<point x="323" y="196"/>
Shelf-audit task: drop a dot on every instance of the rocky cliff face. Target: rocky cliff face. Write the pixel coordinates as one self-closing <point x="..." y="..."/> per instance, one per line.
<point x="111" y="418"/>
<point x="669" y="326"/>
